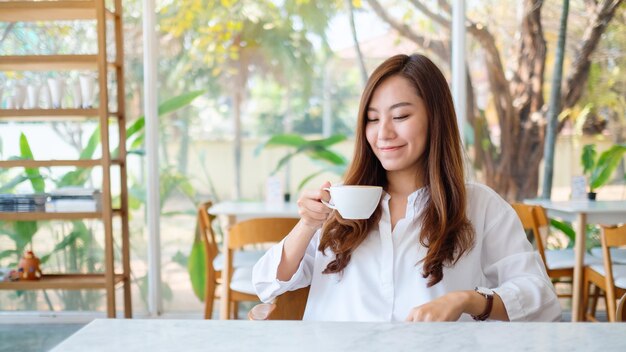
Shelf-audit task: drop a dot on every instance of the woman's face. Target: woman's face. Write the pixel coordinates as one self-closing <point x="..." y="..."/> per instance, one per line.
<point x="397" y="125"/>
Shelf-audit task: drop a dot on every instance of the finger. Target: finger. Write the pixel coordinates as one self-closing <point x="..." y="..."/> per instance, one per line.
<point x="316" y="207"/>
<point x="317" y="217"/>
<point x="324" y="194"/>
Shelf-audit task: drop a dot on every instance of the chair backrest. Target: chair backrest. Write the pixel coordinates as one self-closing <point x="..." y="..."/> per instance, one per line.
<point x="534" y="219"/>
<point x="207" y="235"/>
<point x="288" y="306"/>
<point x="611" y="237"/>
<point x="260" y="230"/>
<point x="256" y="231"/>
<point x="621" y="309"/>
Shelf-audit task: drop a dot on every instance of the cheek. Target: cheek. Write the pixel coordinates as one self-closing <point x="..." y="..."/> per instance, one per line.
<point x="370" y="135"/>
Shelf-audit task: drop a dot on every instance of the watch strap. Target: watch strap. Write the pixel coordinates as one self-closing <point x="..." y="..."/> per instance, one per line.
<point x="485" y="314"/>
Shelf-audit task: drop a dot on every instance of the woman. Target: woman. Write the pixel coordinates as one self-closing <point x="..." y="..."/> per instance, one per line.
<point x="436" y="248"/>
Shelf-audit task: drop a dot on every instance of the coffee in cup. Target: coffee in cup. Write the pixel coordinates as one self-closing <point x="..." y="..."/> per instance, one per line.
<point x="354" y="201"/>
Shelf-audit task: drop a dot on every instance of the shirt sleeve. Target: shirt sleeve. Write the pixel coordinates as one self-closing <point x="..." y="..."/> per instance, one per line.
<point x="264" y="273"/>
<point x="515" y="269"/>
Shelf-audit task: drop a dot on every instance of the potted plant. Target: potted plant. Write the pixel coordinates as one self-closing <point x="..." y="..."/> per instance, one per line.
<point x="317" y="150"/>
<point x="599" y="169"/>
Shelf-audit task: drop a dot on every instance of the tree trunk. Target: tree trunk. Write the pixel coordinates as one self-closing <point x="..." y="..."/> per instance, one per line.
<point x="601" y="16"/>
<point x="183" y="152"/>
<point x="355" y="39"/>
<point x="237" y="101"/>
<point x="512" y="169"/>
<point x="555" y="106"/>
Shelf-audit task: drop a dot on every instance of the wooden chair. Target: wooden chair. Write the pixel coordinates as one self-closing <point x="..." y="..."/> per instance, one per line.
<point x="244" y="233"/>
<point x="609" y="277"/>
<point x="288" y="306"/>
<point x="211" y="251"/>
<point x="559" y="264"/>
<point x="621" y="310"/>
<point x="215" y="261"/>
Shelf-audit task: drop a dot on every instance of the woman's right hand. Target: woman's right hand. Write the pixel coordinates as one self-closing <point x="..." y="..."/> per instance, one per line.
<point x="312" y="212"/>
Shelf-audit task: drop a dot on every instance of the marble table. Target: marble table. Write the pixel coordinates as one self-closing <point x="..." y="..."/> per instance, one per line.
<point x="218" y="335"/>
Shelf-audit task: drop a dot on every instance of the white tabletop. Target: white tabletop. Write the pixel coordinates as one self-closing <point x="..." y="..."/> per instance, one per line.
<point x="255" y="209"/>
<point x="598" y="212"/>
<point x="214" y="335"/>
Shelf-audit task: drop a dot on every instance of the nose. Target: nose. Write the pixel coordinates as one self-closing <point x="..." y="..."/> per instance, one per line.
<point x="386" y="129"/>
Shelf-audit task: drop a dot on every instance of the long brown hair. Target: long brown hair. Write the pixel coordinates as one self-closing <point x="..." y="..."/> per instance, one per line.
<point x="446" y="231"/>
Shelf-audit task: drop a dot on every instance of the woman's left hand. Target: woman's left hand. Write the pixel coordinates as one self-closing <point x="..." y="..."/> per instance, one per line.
<point x="448" y="307"/>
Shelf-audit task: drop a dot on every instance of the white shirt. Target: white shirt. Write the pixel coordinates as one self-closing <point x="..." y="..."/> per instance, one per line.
<point x="382" y="281"/>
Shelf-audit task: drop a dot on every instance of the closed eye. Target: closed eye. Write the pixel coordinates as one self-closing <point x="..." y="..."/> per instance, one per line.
<point x="372" y="119"/>
<point x="401" y="117"/>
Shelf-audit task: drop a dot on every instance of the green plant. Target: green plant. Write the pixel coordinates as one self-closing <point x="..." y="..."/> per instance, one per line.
<point x="599" y="169"/>
<point x="76" y="250"/>
<point x="318" y="150"/>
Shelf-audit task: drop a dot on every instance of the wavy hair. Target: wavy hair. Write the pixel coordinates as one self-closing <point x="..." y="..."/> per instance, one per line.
<point x="446" y="232"/>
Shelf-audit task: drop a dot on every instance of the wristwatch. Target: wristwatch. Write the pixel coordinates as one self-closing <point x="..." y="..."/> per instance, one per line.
<point x="488" y="294"/>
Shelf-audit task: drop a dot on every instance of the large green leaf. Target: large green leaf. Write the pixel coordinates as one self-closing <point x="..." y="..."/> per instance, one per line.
<point x="7" y="187"/>
<point x="327" y="142"/>
<point x="170" y="105"/>
<point x="566" y="228"/>
<point x="328" y="156"/>
<point x="79" y="232"/>
<point x="92" y="145"/>
<point x="9" y="252"/>
<point x="281" y="140"/>
<point x="588" y="157"/>
<point x="606" y="165"/>
<point x="36" y="180"/>
<point x="24" y="232"/>
<point x="196" y="268"/>
<point x="178" y="102"/>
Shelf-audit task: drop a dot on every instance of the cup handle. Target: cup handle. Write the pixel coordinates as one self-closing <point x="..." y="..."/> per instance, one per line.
<point x="330" y="205"/>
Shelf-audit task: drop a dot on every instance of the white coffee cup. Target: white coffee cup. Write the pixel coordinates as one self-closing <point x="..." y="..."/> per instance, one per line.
<point x="354" y="201"/>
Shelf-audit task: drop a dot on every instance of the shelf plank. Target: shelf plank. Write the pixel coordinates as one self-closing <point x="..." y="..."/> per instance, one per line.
<point x="60" y="10"/>
<point x="46" y="216"/>
<point x="49" y="163"/>
<point x="4" y="113"/>
<point x="61" y="282"/>
<point x="39" y="215"/>
<point x="48" y="62"/>
<point x="30" y="115"/>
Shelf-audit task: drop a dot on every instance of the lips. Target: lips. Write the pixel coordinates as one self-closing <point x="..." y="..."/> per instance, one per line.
<point x="390" y="148"/>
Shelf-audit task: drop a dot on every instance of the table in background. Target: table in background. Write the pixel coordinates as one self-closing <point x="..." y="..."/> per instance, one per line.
<point x="235" y="210"/>
<point x="581" y="213"/>
<point x="239" y="210"/>
<point x="278" y="336"/>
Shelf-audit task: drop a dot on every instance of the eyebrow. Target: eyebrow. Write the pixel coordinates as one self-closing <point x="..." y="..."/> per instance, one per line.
<point x="394" y="106"/>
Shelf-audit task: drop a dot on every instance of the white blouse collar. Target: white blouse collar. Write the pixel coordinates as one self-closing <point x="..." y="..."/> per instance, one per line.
<point x="415" y="201"/>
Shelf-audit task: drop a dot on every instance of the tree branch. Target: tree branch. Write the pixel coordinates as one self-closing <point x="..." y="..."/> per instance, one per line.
<point x="445" y="22"/>
<point x="438" y="47"/>
<point x="579" y="72"/>
<point x="445" y="5"/>
<point x="7" y="31"/>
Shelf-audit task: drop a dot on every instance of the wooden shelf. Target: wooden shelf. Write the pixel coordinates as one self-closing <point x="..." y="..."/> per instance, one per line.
<point x="34" y="216"/>
<point x="48" y="163"/>
<point x="61" y="282"/>
<point x="46" y="216"/>
<point x="78" y="10"/>
<point x="85" y="163"/>
<point x="28" y="115"/>
<point x="61" y="10"/>
<point x="50" y="62"/>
